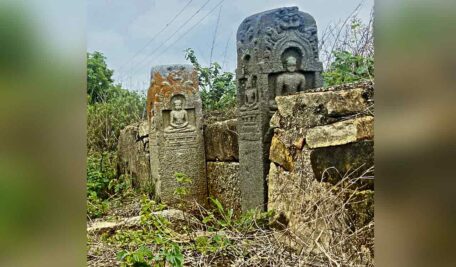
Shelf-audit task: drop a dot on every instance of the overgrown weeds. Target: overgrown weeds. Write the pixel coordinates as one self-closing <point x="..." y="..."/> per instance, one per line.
<point x="331" y="233"/>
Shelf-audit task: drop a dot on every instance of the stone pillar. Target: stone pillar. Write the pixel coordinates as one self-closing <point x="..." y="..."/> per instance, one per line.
<point x="277" y="55"/>
<point x="176" y="133"/>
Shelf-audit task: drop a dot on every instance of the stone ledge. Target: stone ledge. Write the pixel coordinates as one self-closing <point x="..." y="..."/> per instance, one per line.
<point x="341" y="133"/>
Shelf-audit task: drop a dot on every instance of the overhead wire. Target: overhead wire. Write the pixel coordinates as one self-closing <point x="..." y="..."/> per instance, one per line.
<point x="150" y="55"/>
<point x="122" y="66"/>
<point x="190" y="29"/>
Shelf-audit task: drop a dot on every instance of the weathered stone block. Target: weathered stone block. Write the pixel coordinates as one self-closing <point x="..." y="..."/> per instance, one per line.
<point x="318" y="108"/>
<point x="133" y="155"/>
<point x="176" y="133"/>
<point x="331" y="164"/>
<point x="223" y="183"/>
<point x="280" y="154"/>
<point x="221" y="141"/>
<point x="341" y="133"/>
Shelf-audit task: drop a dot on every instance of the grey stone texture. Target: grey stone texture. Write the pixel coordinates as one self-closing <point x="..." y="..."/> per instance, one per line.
<point x="221" y="140"/>
<point x="133" y="155"/>
<point x="223" y="183"/>
<point x="314" y="147"/>
<point x="176" y="134"/>
<point x="277" y="55"/>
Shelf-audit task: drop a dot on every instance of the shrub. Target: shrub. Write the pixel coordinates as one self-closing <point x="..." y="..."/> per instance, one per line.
<point x="348" y="68"/>
<point x="218" y="89"/>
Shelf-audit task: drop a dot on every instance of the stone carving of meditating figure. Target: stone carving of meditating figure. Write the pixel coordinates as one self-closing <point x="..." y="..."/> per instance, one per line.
<point x="251" y="94"/>
<point x="291" y="81"/>
<point x="178" y="119"/>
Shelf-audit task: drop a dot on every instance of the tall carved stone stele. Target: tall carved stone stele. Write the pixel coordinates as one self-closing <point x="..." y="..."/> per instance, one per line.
<point x="176" y="141"/>
<point x="277" y="55"/>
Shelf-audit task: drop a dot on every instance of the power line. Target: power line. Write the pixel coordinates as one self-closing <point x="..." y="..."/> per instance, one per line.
<point x="215" y="35"/>
<point x="226" y="49"/>
<point x="189" y="30"/>
<point x="153" y="38"/>
<point x="172" y="35"/>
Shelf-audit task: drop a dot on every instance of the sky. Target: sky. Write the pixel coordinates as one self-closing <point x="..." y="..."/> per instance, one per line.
<point x="136" y="35"/>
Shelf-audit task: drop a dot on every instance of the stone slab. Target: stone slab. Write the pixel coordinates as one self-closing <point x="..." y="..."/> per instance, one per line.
<point x="341" y="133"/>
<point x="223" y="184"/>
<point x="221" y="141"/>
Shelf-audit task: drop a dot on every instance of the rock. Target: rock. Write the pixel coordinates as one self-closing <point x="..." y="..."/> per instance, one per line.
<point x="280" y="154"/>
<point x="176" y="217"/>
<point x="346" y="102"/>
<point x="143" y="130"/>
<point x="223" y="184"/>
<point x="319" y="108"/>
<point x="133" y="154"/>
<point x="331" y="164"/>
<point x="341" y="133"/>
<point x="221" y="141"/>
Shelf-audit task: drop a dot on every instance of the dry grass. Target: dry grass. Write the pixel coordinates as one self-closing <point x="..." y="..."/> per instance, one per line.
<point x="332" y="233"/>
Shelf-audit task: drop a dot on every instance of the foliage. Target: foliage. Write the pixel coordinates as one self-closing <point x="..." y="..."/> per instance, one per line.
<point x="223" y="219"/>
<point x="99" y="77"/>
<point x="96" y="207"/>
<point x="106" y="119"/>
<point x="155" y="230"/>
<point x="110" y="108"/>
<point x="139" y="257"/>
<point x="347" y="51"/>
<point x="101" y="170"/>
<point x="183" y="180"/>
<point x="103" y="182"/>
<point x="347" y="68"/>
<point x="154" y="242"/>
<point x="218" y="88"/>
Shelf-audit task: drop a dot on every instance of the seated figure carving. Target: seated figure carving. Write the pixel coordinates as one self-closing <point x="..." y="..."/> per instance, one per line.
<point x="289" y="82"/>
<point x="251" y="94"/>
<point x="178" y="119"/>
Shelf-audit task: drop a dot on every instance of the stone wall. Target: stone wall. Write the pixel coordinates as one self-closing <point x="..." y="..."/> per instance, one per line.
<point x="222" y="155"/>
<point x="133" y="154"/>
<point x="320" y="178"/>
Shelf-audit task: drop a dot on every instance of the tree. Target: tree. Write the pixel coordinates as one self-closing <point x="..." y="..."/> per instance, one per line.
<point x="218" y="88"/>
<point x="99" y="77"/>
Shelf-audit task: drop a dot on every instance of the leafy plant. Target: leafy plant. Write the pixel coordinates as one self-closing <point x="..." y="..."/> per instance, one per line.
<point x="101" y="169"/>
<point x="96" y="207"/>
<point x="218" y="88"/>
<point x="183" y="181"/>
<point x="347" y="68"/>
<point x="138" y="258"/>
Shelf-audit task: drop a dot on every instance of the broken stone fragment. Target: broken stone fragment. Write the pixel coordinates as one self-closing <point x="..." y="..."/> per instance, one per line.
<point x="143" y="130"/>
<point x="221" y="141"/>
<point x="341" y="133"/>
<point x="280" y="154"/>
<point x="173" y="215"/>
